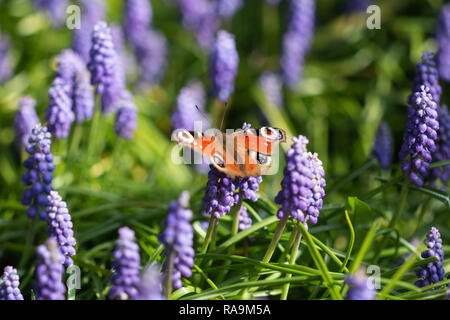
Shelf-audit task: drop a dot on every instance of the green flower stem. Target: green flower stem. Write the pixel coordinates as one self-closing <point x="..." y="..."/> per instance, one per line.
<point x="29" y="242"/>
<point x="214" y="235"/>
<point x="288" y="247"/>
<point x="92" y="138"/>
<point x="400" y="206"/>
<point x="273" y="244"/>
<point x="168" y="279"/>
<point x="208" y="234"/>
<point x="423" y="210"/>
<point x="297" y="240"/>
<point x="76" y="138"/>
<point x="234" y="231"/>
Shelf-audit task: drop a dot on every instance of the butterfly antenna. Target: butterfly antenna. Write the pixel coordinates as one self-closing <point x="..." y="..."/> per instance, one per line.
<point x="223" y="115"/>
<point x="202" y="113"/>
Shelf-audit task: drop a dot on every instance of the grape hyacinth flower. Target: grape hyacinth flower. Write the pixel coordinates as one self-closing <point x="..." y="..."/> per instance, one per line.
<point x="126" y="117"/>
<point x="359" y="288"/>
<point x="297" y="40"/>
<point x="271" y="85"/>
<point x="419" y="140"/>
<point x="125" y="279"/>
<point x="191" y="97"/>
<point x="59" y="114"/>
<point x="200" y="16"/>
<point x="115" y="90"/>
<point x="5" y="62"/>
<point x="382" y="148"/>
<point x="55" y="8"/>
<point x="60" y="226"/>
<point x="443" y="38"/>
<point x="25" y="120"/>
<point x="137" y="19"/>
<point x="442" y="152"/>
<point x="432" y="272"/>
<point x="49" y="272"/>
<point x="178" y="239"/>
<point x="245" y="221"/>
<point x="427" y="75"/>
<point x="40" y="172"/>
<point x="71" y="68"/>
<point x="92" y="11"/>
<point x="227" y="8"/>
<point x="9" y="288"/>
<point x="224" y="63"/>
<point x="150" y="284"/>
<point x="302" y="187"/>
<point x="151" y="55"/>
<point x="219" y="194"/>
<point x="103" y="57"/>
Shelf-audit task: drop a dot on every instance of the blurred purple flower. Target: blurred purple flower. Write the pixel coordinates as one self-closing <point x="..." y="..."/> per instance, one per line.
<point x="137" y="19"/>
<point x="224" y="62"/>
<point x="126" y="117"/>
<point x="151" y="55"/>
<point x="125" y="279"/>
<point x="271" y="85"/>
<point x="359" y="288"/>
<point x="443" y="38"/>
<point x="227" y="8"/>
<point x="59" y="114"/>
<point x="419" y="139"/>
<point x="55" y="8"/>
<point x="5" y="62"/>
<point x="49" y="272"/>
<point x="150" y="284"/>
<point x="382" y="148"/>
<point x="25" y="120"/>
<point x="92" y="11"/>
<point x="297" y="40"/>
<point x="245" y="221"/>
<point x="357" y="5"/>
<point x="178" y="239"/>
<point x="9" y="288"/>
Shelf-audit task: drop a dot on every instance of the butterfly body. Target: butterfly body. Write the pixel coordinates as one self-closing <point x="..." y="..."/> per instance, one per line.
<point x="241" y="153"/>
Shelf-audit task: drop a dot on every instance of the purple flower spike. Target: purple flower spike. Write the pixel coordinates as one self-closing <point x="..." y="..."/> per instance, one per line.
<point x="49" y="272"/>
<point x="151" y="55"/>
<point x="60" y="226"/>
<point x="442" y="152"/>
<point x="126" y="118"/>
<point x="137" y="19"/>
<point x="178" y="239"/>
<point x="40" y="172"/>
<point x="443" y="38"/>
<point x="59" y="114"/>
<point x="55" y="8"/>
<point x="103" y="57"/>
<point x="271" y="85"/>
<point x="382" y="149"/>
<point x="224" y="63"/>
<point x="427" y="75"/>
<point x="5" y="62"/>
<point x="432" y="272"/>
<point x="127" y="260"/>
<point x="357" y="5"/>
<point x="227" y="8"/>
<point x="150" y="284"/>
<point x="92" y="11"/>
<point x="302" y="187"/>
<point x="245" y="221"/>
<point x="72" y="69"/>
<point x="419" y="139"/>
<point x="186" y="113"/>
<point x="200" y="16"/>
<point x="9" y="288"/>
<point x="297" y="40"/>
<point x="219" y="194"/>
<point x="359" y="288"/>
<point x="25" y="120"/>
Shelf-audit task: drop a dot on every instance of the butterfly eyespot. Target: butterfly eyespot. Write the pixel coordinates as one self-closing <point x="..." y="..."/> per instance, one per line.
<point x="183" y="137"/>
<point x="270" y="133"/>
<point x="219" y="160"/>
<point x="262" y="158"/>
